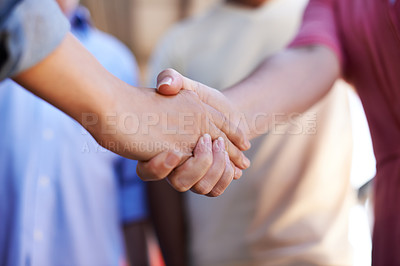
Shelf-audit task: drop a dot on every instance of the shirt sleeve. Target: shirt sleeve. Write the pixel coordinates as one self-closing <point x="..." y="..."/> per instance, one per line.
<point x="319" y="27"/>
<point x="29" y="31"/>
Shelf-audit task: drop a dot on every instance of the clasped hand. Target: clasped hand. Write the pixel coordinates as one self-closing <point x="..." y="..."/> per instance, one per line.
<point x="217" y="158"/>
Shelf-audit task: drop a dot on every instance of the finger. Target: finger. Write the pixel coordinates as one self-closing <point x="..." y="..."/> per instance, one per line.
<point x="225" y="180"/>
<point x="159" y="166"/>
<point x="238" y="173"/>
<point x="172" y="80"/>
<point x="236" y="155"/>
<point x="169" y="82"/>
<point x="235" y="134"/>
<point x="188" y="174"/>
<point x="211" y="178"/>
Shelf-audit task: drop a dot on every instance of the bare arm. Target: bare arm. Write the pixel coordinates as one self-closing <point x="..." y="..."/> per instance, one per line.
<point x="288" y="82"/>
<point x="72" y="80"/>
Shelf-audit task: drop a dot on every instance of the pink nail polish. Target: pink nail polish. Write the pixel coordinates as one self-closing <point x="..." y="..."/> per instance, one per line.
<point x="207" y="137"/>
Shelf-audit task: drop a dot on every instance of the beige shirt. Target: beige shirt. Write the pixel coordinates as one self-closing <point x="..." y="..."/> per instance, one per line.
<point x="291" y="207"/>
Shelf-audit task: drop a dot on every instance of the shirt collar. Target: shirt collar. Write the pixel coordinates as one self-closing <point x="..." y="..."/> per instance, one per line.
<point x="80" y="20"/>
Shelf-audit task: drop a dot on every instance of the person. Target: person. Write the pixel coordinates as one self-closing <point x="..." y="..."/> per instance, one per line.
<point x="291" y="207"/>
<point x="358" y="40"/>
<point x="66" y="200"/>
<point x="42" y="57"/>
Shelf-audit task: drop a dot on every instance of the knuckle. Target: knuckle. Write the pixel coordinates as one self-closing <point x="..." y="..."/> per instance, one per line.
<point x="221" y="186"/>
<point x="140" y="174"/>
<point x="178" y="185"/>
<point x="235" y="154"/>
<point x="203" y="187"/>
<point x="168" y="71"/>
<point x="143" y="172"/>
<point x="156" y="170"/>
<point x="215" y="193"/>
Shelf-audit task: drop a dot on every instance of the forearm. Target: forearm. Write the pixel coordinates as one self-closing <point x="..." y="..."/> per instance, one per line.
<point x="72" y="80"/>
<point x="289" y="82"/>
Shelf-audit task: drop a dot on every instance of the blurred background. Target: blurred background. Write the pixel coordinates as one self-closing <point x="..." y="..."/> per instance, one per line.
<point x="141" y="23"/>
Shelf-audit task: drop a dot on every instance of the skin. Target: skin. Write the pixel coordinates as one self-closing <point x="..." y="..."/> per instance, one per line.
<point x="68" y="6"/>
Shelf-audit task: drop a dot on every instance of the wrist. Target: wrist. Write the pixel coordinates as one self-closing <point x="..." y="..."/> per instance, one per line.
<point x="253" y="122"/>
<point x="115" y="119"/>
<point x="243" y="117"/>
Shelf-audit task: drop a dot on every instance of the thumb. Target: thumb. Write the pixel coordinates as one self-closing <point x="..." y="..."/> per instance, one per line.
<point x="169" y="82"/>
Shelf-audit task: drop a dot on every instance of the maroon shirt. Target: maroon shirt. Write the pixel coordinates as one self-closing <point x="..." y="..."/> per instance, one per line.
<point x="365" y="35"/>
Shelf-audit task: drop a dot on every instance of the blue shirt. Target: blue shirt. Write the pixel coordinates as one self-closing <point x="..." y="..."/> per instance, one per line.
<point x="62" y="196"/>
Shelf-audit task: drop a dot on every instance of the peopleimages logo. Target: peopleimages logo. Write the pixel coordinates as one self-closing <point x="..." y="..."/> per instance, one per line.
<point x="186" y="124"/>
<point x="195" y="123"/>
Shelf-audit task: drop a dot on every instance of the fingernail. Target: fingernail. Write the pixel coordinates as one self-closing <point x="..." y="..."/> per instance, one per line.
<point x="207" y="137"/>
<point x="208" y="141"/>
<point x="202" y="140"/>
<point x="172" y="160"/>
<point x="216" y="145"/>
<point x="165" y="81"/>
<point x="246" y="162"/>
<point x="221" y="143"/>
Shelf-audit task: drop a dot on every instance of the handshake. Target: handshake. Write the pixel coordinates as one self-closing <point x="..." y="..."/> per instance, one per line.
<point x="183" y="131"/>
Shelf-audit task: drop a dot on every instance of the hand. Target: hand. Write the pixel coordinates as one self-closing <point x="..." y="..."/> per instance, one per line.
<point x="161" y="123"/>
<point x="222" y="111"/>
<point x="212" y="164"/>
<point x="208" y="172"/>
